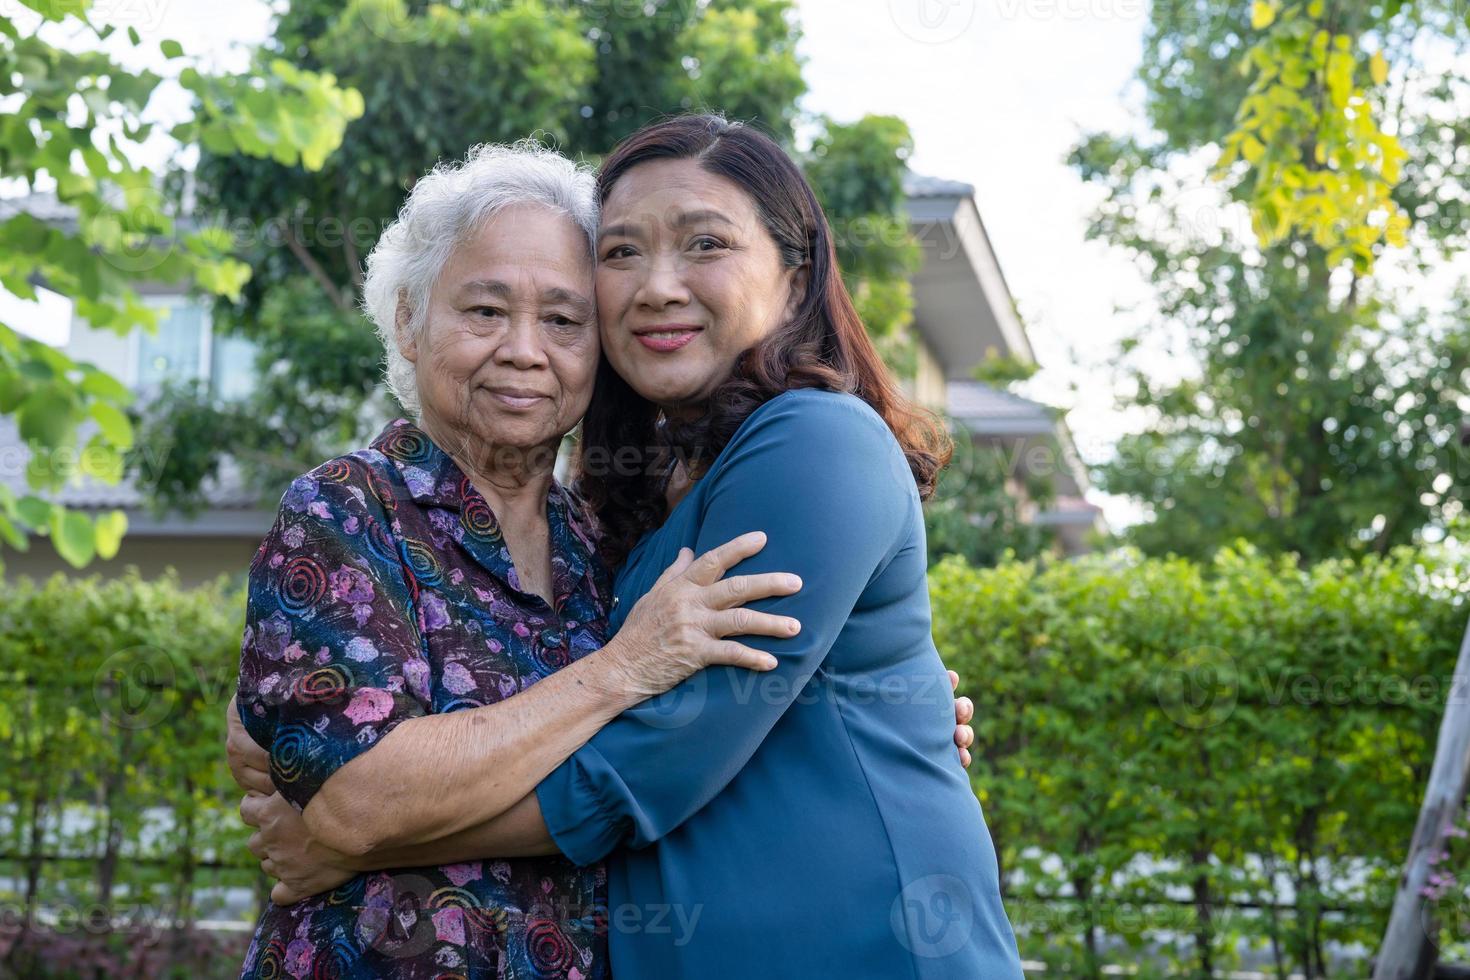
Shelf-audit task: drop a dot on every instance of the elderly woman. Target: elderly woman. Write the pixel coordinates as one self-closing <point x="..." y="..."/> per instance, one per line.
<point x="425" y="635"/>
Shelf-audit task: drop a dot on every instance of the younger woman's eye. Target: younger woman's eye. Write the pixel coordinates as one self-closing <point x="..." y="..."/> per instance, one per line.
<point x="705" y="240"/>
<point x="618" y="252"/>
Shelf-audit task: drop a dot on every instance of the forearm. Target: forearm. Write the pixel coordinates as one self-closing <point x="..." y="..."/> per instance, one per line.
<point x="431" y="778"/>
<point x="518" y="832"/>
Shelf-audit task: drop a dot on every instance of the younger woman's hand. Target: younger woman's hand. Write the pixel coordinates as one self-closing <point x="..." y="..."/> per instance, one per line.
<point x="301" y="865"/>
<point x="250" y="765"/>
<point x="680" y="625"/>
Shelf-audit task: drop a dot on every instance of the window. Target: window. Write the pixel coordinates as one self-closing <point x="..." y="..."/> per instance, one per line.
<point x="232" y="375"/>
<point x="184" y="348"/>
<point x="179" y="350"/>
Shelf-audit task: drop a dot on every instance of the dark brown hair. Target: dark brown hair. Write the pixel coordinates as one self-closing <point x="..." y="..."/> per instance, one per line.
<point x="823" y="345"/>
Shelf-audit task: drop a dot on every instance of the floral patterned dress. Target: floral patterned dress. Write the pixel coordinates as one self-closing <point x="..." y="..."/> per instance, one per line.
<point x="383" y="592"/>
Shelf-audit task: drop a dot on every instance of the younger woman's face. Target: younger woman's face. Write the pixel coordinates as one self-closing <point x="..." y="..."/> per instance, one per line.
<point x="687" y="279"/>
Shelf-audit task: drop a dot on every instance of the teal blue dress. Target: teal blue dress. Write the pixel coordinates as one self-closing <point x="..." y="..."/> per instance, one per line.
<point x="813" y="820"/>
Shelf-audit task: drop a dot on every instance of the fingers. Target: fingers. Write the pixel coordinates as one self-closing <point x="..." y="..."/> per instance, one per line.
<point x="739" y="655"/>
<point x="711" y="566"/>
<point x="964" y="711"/>
<point x="249" y="763"/>
<point x="283" y="894"/>
<point x="737" y="590"/>
<point x="677" y="567"/>
<point x="249" y="776"/>
<point x="255" y="781"/>
<point x="954" y="680"/>
<point x="965" y="758"/>
<point x="964" y="736"/>
<point x="748" y="622"/>
<point x="256" y="844"/>
<point x="252" y="808"/>
<point x="253" y="755"/>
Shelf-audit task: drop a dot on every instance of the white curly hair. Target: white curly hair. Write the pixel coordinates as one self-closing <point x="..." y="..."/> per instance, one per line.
<point x="445" y="207"/>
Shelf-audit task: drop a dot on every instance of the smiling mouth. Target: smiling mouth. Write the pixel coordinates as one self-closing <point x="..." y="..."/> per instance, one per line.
<point x="666" y="339"/>
<point x="515" y="399"/>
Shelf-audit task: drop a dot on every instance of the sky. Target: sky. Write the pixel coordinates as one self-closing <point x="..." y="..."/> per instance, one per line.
<point x="995" y="93"/>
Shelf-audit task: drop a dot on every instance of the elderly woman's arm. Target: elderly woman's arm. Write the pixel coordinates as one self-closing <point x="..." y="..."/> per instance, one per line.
<point x="432" y="777"/>
<point x="333" y="666"/>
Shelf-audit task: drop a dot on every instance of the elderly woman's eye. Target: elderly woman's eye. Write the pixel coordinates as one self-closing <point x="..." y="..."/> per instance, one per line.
<point x="618" y="252"/>
<point x="487" y="310"/>
<point x="563" y="321"/>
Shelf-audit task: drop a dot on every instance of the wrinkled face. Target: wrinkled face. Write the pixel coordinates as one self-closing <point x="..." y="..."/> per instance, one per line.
<point x="687" y="278"/>
<point x="507" y="355"/>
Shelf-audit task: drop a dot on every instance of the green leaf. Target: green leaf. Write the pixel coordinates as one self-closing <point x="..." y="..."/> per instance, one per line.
<point x="101" y="461"/>
<point x="114" y="424"/>
<point x="109" y="529"/>
<point x="100" y="384"/>
<point x="73" y="537"/>
<point x="33" y="511"/>
<point x="171" y="49"/>
<point x="13" y="535"/>
<point x="48" y="416"/>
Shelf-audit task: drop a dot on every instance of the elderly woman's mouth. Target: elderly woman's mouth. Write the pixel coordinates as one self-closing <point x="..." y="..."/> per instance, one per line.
<point x="517" y="397"/>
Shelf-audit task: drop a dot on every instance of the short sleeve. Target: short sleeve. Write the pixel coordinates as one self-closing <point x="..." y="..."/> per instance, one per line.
<point x="823" y="476"/>
<point x="331" y="658"/>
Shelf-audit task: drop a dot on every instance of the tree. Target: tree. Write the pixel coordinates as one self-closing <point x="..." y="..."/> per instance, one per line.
<point x="1310" y="406"/>
<point x="72" y="122"/>
<point x="436" y="78"/>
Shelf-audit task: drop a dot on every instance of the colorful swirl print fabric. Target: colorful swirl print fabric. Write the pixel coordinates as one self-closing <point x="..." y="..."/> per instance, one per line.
<point x="384" y="592"/>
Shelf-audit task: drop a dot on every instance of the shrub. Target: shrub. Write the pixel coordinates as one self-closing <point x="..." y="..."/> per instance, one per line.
<point x="1201" y="754"/>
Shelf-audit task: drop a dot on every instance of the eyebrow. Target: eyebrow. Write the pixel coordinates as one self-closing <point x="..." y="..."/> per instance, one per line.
<point x="554" y="294"/>
<point x="684" y="219"/>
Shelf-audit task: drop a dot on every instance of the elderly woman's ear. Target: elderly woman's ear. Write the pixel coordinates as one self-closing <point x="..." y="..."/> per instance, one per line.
<point x="403" y="332"/>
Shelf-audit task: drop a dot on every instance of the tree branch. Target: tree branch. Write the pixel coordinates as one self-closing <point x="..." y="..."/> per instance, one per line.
<point x="315" y="268"/>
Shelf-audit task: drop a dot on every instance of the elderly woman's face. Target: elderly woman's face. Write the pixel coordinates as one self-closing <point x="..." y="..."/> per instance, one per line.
<point x="507" y="356"/>
<point x="687" y="279"/>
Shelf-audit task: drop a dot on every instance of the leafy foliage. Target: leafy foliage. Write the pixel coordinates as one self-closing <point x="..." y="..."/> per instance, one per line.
<point x="1169" y="751"/>
<point x="1321" y="164"/>
<point x="1291" y="399"/>
<point x="71" y="121"/>
<point x="116" y="801"/>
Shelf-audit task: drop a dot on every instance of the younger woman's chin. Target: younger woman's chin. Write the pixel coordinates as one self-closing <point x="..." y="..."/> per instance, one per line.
<point x="672" y="392"/>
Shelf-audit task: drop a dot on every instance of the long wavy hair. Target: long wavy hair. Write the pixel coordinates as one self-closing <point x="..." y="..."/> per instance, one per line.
<point x="823" y="345"/>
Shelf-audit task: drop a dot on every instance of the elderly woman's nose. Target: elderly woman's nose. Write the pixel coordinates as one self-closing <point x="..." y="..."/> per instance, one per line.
<point x="523" y="346"/>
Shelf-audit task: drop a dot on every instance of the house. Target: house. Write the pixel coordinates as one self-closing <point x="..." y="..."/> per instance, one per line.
<point x="963" y="310"/>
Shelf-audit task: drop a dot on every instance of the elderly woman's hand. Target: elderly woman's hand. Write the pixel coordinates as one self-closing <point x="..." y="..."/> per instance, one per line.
<point x="250" y="764"/>
<point x="964" y="713"/>
<point x="680" y="625"/>
<point x="301" y="865"/>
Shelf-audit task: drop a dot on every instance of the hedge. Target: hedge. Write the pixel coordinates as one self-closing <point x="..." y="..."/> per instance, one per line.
<point x="118" y="820"/>
<point x="1193" y="757"/>
<point x="1203" y="756"/>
